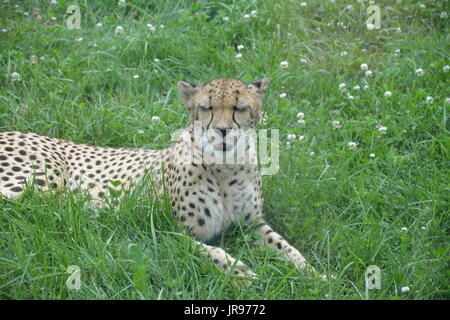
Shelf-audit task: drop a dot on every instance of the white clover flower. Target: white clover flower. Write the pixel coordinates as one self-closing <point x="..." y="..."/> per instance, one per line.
<point x="312" y="153"/>
<point x="372" y="155"/>
<point x="302" y="139"/>
<point x="264" y="118"/>
<point x="429" y="100"/>
<point x="253" y="13"/>
<point x="447" y="100"/>
<point x="119" y="30"/>
<point x="246" y="16"/>
<point x="303" y="4"/>
<point x="284" y="64"/>
<point x="420" y="72"/>
<point x="336" y="125"/>
<point x="99" y="25"/>
<point x="288" y="144"/>
<point x="240" y="47"/>
<point x="238" y="56"/>
<point x="156" y="119"/>
<point x="368" y="73"/>
<point x="156" y="60"/>
<point x="53" y="2"/>
<point x="136" y="76"/>
<point x="364" y="67"/>
<point x="33" y="59"/>
<point x="301" y="115"/>
<point x="350" y="97"/>
<point x="398" y="30"/>
<point x="421" y="6"/>
<point x="352" y="145"/>
<point x="404" y="229"/>
<point x="121" y="3"/>
<point x="423" y="228"/>
<point x="443" y="14"/>
<point x="370" y="26"/>
<point x="291" y="137"/>
<point x="264" y="121"/>
<point x="405" y="289"/>
<point x="342" y="86"/>
<point x="15" y="77"/>
<point x="283" y="95"/>
<point x="4" y="30"/>
<point x="366" y="87"/>
<point x="357" y="87"/>
<point x="26" y="14"/>
<point x="303" y="60"/>
<point x="382" y="130"/>
<point x="151" y="27"/>
<point x="343" y="53"/>
<point x="225" y="19"/>
<point x="446" y="68"/>
<point x="388" y="94"/>
<point x="301" y="122"/>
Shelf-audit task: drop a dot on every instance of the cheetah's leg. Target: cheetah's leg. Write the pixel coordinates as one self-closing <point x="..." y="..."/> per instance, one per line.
<point x="272" y="239"/>
<point x="226" y="263"/>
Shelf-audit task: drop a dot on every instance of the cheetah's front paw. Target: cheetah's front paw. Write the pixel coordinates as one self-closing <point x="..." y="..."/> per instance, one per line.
<point x="243" y="275"/>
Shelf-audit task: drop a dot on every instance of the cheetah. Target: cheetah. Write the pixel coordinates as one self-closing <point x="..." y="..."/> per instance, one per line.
<point x="206" y="196"/>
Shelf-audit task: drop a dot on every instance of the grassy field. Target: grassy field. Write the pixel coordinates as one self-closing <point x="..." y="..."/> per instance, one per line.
<point x="370" y="189"/>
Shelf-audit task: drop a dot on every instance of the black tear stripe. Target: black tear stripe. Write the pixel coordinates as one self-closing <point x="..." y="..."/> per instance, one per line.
<point x="212" y="113"/>
<point x="212" y="117"/>
<point x="234" y="120"/>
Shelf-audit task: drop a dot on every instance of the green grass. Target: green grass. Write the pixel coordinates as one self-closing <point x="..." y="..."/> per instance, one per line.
<point x="342" y="209"/>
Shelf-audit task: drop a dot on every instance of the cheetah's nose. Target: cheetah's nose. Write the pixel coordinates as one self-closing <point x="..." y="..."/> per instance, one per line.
<point x="223" y="131"/>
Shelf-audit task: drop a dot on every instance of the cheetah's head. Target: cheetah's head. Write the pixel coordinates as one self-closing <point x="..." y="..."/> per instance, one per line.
<point x="224" y="107"/>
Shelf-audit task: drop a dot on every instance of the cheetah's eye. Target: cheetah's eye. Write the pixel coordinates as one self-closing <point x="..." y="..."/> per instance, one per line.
<point x="205" y="107"/>
<point x="240" y="108"/>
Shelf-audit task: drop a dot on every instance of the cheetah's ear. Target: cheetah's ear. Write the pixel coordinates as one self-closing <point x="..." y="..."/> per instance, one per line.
<point x="260" y="86"/>
<point x="186" y="90"/>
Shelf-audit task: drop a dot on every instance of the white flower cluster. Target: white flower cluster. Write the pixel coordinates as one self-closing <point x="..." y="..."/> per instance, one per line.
<point x="381" y="129"/>
<point x="301" y="118"/>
